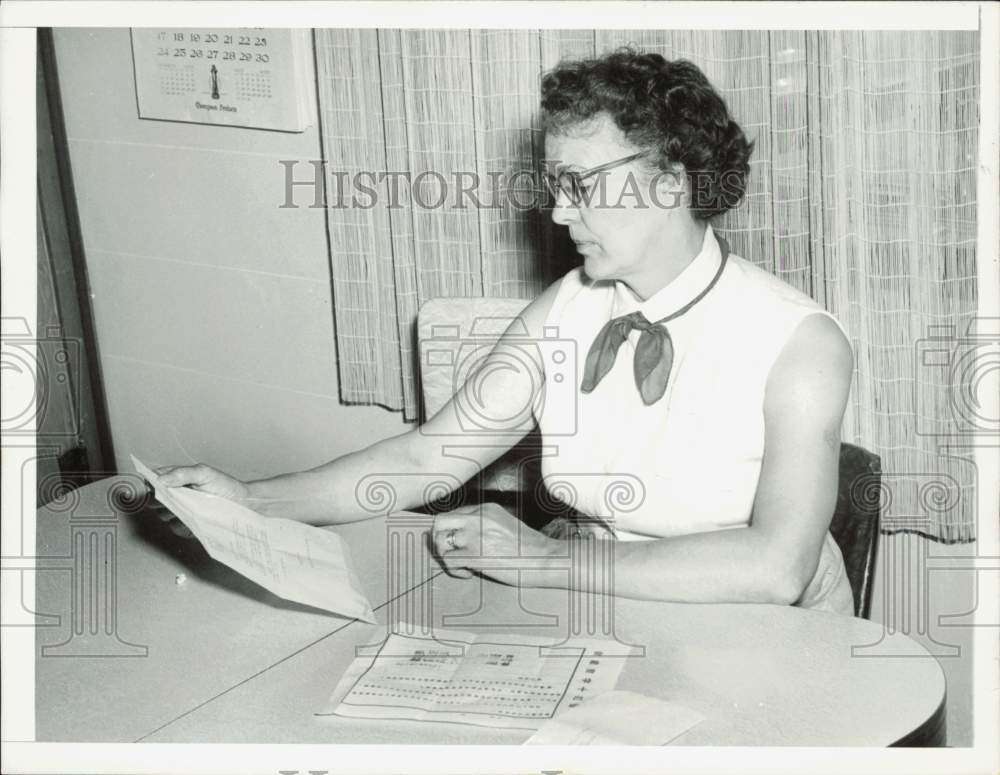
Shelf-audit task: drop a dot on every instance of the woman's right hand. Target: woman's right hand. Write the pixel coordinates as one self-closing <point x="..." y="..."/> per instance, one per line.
<point x="204" y="478"/>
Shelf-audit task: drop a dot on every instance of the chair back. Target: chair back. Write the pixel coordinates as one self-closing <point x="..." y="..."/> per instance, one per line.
<point x="855" y="524"/>
<point x="454" y="334"/>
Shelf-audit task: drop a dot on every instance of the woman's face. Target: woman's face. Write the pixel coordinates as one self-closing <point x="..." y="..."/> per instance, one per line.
<point x="620" y="233"/>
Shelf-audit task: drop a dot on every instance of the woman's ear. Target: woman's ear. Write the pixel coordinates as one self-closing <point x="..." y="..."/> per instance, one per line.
<point x="669" y="189"/>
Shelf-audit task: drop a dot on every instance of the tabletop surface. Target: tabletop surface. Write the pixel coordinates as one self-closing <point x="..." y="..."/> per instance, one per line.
<point x="218" y="659"/>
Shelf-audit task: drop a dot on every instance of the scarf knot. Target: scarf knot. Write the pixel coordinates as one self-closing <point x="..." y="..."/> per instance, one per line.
<point x="654" y="352"/>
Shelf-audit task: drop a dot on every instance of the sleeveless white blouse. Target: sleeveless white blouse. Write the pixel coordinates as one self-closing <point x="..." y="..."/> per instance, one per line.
<point x="689" y="463"/>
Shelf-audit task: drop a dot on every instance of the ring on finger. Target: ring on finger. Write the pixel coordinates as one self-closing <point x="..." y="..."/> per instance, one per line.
<point x="450" y="538"/>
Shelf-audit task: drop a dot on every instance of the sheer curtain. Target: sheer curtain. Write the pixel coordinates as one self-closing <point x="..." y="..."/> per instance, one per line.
<point x="896" y="179"/>
<point x="862" y="194"/>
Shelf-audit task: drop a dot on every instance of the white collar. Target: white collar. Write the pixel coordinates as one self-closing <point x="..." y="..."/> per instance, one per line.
<point x="694" y="278"/>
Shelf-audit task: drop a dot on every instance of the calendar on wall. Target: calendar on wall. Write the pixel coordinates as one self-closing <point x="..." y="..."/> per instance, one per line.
<point x="247" y="77"/>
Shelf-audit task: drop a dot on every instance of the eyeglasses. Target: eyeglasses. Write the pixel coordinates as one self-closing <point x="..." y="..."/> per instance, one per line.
<point x="572" y="183"/>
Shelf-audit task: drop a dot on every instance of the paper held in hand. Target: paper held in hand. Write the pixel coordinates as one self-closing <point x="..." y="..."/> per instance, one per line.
<point x="293" y="560"/>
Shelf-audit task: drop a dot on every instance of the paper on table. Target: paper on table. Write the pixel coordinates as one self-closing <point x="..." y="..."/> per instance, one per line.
<point x="617" y="718"/>
<point x="293" y="560"/>
<point x="495" y="680"/>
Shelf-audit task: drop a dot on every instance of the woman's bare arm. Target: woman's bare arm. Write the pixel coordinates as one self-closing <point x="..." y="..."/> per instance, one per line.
<point x="774" y="558"/>
<point x="441" y="450"/>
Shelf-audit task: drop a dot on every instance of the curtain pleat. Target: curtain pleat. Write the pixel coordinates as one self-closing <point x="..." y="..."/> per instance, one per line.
<point x="861" y="194"/>
<point x="362" y="266"/>
<point x="506" y="113"/>
<point x="404" y="394"/>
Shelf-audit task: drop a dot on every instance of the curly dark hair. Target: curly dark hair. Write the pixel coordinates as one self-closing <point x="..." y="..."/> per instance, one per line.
<point x="658" y="104"/>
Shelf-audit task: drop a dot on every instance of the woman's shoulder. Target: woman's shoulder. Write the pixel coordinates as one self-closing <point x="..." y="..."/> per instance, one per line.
<point x="763" y="287"/>
<point x="540" y="310"/>
<point x="765" y="296"/>
<point x="576" y="296"/>
<point x="771" y="310"/>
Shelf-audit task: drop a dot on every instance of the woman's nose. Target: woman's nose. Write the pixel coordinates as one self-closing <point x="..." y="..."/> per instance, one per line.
<point x="564" y="211"/>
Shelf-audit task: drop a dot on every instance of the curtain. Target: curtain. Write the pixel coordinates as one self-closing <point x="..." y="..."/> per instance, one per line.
<point x="861" y="194"/>
<point x="898" y="155"/>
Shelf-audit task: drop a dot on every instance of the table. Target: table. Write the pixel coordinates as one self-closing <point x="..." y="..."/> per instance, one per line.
<point x="218" y="659"/>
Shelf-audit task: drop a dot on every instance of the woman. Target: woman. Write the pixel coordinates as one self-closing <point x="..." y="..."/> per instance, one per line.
<point x="718" y="387"/>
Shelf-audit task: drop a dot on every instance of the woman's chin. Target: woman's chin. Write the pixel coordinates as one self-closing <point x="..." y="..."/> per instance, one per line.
<point x="596" y="268"/>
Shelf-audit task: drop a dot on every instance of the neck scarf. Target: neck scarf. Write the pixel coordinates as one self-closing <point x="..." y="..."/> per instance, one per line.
<point x="654" y="353"/>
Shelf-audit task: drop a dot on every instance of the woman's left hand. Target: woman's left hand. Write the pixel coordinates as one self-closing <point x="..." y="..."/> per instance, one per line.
<point x="488" y="539"/>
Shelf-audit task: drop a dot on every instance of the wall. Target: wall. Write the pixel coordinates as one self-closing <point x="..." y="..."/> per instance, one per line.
<point x="213" y="306"/>
<point x="56" y="422"/>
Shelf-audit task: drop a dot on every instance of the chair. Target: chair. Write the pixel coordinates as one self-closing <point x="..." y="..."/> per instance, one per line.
<point x="454" y="333"/>
<point x="855" y="524"/>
